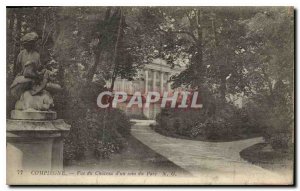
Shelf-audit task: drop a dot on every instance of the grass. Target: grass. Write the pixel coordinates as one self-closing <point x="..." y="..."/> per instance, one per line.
<point x="280" y="161"/>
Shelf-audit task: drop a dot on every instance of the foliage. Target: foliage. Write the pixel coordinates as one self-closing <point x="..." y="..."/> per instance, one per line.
<point x="228" y="123"/>
<point x="235" y="51"/>
<point x="244" y="52"/>
<point x="70" y="36"/>
<point x="97" y="132"/>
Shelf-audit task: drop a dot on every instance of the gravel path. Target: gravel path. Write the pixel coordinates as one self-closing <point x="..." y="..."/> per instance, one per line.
<point x="213" y="162"/>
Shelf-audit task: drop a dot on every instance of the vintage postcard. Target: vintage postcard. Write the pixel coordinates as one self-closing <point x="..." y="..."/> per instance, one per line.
<point x="150" y="95"/>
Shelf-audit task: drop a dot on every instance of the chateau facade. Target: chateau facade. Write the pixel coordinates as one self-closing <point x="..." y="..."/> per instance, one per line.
<point x="154" y="76"/>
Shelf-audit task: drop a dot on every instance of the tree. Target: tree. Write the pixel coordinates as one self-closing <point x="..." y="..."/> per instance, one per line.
<point x="273" y="32"/>
<point x="207" y="40"/>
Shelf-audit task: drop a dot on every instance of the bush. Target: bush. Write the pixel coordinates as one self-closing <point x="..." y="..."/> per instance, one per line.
<point x="103" y="150"/>
<point x="226" y="123"/>
<point x="118" y="120"/>
<point x="98" y="132"/>
<point x="93" y="130"/>
<point x="74" y="143"/>
<point x="275" y="117"/>
<point x="278" y="131"/>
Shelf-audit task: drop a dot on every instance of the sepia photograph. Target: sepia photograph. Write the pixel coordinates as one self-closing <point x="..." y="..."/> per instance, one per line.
<point x="150" y="95"/>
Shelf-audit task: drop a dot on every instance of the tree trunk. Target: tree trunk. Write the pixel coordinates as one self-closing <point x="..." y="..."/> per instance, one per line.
<point x="9" y="44"/>
<point x="93" y="68"/>
<point x="198" y="66"/>
<point x="113" y="79"/>
<point x="114" y="76"/>
<point x="9" y="34"/>
<point x="17" y="41"/>
<point x="223" y="88"/>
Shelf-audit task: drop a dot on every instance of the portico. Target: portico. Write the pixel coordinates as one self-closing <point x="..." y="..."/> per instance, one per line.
<point x="154" y="76"/>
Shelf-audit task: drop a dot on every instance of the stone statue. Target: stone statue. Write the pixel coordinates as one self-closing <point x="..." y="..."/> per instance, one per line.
<point x="34" y="82"/>
<point x="34" y="134"/>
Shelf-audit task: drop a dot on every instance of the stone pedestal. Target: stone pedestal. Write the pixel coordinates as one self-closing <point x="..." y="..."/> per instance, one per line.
<point x="35" y="144"/>
<point x="33" y="115"/>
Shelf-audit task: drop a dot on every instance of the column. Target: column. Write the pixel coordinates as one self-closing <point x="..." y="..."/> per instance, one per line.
<point x="161" y="82"/>
<point x="154" y="81"/>
<point x="131" y="87"/>
<point x="123" y="85"/>
<point x="146" y="81"/>
<point x="169" y="84"/>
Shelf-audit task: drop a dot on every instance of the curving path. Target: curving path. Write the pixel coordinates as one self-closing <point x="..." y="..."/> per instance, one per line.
<point x="212" y="162"/>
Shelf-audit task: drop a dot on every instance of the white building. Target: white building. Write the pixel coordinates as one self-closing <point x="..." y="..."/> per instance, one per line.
<point x="153" y="77"/>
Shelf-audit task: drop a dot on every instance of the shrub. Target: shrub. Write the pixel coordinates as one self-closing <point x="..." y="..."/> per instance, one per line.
<point x="278" y="130"/>
<point x="226" y="123"/>
<point x="119" y="121"/>
<point x="103" y="150"/>
<point x="94" y="130"/>
<point x="99" y="132"/>
<point x="74" y="142"/>
<point x="275" y="116"/>
<point x="198" y="130"/>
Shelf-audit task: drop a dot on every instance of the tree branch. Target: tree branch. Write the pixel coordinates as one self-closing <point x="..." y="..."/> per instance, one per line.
<point x="181" y="32"/>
